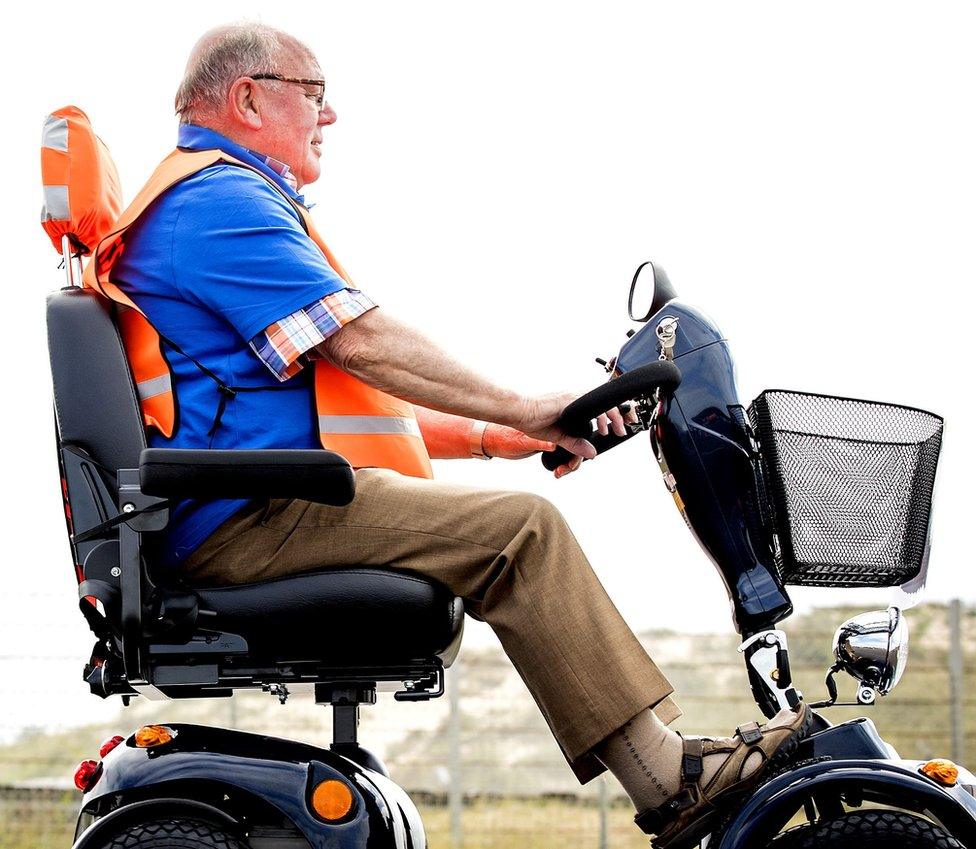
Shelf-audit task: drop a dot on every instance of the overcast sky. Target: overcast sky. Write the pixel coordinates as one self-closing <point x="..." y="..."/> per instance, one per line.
<point x="804" y="172"/>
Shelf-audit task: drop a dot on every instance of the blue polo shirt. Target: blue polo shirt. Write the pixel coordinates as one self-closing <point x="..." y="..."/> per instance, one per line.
<point x="213" y="262"/>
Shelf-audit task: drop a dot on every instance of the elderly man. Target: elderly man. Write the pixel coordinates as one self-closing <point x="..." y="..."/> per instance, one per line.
<point x="244" y="294"/>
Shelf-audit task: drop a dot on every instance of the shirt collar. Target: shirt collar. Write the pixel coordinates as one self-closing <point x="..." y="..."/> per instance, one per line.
<point x="194" y="137"/>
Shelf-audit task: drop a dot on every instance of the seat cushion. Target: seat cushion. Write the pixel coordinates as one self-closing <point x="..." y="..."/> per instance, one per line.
<point x="341" y="616"/>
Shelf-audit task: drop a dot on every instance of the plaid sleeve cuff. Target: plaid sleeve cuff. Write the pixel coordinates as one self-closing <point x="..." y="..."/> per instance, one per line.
<point x="281" y="345"/>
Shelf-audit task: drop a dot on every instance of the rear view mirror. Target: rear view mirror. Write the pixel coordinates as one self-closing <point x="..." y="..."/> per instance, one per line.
<point x="649" y="291"/>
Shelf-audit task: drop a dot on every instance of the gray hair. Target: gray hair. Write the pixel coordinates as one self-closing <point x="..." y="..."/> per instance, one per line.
<point x="224" y="55"/>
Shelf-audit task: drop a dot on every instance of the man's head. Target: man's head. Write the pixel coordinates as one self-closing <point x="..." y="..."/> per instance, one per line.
<point x="276" y="117"/>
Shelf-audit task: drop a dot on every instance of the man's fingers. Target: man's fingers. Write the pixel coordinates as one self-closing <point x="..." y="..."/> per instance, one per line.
<point x="530" y="443"/>
<point x="612" y="419"/>
<point x="583" y="449"/>
<point x="566" y="468"/>
<point x="617" y="422"/>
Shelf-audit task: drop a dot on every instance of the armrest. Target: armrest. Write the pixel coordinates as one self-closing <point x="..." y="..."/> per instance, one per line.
<point x="315" y="475"/>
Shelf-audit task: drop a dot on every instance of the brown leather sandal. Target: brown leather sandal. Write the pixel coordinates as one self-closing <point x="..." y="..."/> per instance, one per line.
<point x="691" y="813"/>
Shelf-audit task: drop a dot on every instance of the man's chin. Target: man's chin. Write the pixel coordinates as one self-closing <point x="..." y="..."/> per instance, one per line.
<point x="309" y="175"/>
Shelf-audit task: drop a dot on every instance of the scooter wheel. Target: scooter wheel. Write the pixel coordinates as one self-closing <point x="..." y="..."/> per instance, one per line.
<point x="869" y="830"/>
<point x="174" y="834"/>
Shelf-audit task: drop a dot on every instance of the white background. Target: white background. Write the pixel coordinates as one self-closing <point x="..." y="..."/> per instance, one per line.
<point x="804" y="172"/>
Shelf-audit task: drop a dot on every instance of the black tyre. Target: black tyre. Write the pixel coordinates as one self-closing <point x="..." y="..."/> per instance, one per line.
<point x="174" y="834"/>
<point x="869" y="830"/>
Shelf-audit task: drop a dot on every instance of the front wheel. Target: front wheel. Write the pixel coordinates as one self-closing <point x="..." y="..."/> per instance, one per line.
<point x="868" y="830"/>
<point x="174" y="834"/>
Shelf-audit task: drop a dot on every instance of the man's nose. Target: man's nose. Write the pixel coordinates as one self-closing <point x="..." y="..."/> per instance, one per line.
<point x="327" y="115"/>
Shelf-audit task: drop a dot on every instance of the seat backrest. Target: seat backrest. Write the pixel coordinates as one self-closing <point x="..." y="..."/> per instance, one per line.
<point x="94" y="397"/>
<point x="97" y="419"/>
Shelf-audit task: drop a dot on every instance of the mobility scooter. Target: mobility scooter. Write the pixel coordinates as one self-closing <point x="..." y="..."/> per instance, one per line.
<point x="795" y="489"/>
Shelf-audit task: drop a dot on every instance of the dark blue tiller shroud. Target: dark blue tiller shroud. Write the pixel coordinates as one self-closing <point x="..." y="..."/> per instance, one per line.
<point x="704" y="436"/>
<point x="705" y="439"/>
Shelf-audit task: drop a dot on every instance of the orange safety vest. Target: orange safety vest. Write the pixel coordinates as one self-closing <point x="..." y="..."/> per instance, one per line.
<point x="366" y="426"/>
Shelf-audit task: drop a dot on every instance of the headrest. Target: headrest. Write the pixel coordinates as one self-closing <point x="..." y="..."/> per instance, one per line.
<point x="82" y="195"/>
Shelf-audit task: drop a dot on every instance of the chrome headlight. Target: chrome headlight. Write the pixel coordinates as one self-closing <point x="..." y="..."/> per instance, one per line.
<point x="873" y="648"/>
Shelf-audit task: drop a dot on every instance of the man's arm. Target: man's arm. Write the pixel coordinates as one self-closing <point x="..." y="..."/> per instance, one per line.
<point x="450" y="437"/>
<point x="397" y="359"/>
<point x="447" y="437"/>
<point x="394" y="357"/>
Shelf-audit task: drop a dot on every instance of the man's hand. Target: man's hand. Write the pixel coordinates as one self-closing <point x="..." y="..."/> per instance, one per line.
<point x="541" y="417"/>
<point x="511" y="444"/>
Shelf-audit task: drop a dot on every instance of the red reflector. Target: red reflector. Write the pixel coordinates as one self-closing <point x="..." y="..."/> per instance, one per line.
<point x="110" y="744"/>
<point x="86" y="775"/>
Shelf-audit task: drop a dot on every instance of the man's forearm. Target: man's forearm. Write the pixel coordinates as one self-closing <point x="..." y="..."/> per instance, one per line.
<point x="447" y="437"/>
<point x="394" y="357"/>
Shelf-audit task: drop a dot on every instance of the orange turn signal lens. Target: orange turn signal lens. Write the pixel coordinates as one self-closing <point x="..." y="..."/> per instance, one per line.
<point x="942" y="771"/>
<point x="153" y="735"/>
<point x="332" y="800"/>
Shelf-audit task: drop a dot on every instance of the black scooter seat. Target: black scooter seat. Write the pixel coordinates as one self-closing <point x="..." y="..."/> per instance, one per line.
<point x="341" y="616"/>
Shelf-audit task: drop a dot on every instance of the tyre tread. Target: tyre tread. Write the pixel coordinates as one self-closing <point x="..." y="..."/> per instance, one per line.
<point x="165" y="832"/>
<point x="877" y="829"/>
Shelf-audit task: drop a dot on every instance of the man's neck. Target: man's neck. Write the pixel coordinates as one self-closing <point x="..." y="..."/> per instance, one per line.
<point x="251" y="144"/>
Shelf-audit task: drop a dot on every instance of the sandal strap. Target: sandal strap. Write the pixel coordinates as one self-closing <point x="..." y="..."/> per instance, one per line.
<point x="655" y="820"/>
<point x="691" y="760"/>
<point x="750" y="732"/>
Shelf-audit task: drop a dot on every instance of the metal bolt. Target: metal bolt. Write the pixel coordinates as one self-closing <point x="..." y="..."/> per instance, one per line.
<point x="774" y="674"/>
<point x="128" y="507"/>
<point x="115" y="571"/>
<point x="866" y="695"/>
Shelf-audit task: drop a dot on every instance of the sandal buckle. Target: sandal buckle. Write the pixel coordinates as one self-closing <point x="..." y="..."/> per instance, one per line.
<point x="650" y="821"/>
<point x="655" y="820"/>
<point x="749" y="733"/>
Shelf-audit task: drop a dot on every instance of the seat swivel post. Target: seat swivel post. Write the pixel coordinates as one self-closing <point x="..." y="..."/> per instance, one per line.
<point x="345" y="700"/>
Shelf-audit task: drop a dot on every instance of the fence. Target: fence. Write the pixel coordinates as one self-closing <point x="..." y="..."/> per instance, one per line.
<point x="481" y="763"/>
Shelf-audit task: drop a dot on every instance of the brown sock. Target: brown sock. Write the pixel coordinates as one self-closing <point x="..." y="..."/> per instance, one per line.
<point x="645" y="756"/>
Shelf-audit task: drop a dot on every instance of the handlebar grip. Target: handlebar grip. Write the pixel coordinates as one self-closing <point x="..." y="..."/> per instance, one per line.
<point x="552" y="460"/>
<point x="638" y="383"/>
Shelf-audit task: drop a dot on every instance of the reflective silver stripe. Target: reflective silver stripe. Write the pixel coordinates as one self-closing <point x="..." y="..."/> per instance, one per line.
<point x="369" y="424"/>
<point x="154" y="386"/>
<point x="55" y="133"/>
<point x="55" y="204"/>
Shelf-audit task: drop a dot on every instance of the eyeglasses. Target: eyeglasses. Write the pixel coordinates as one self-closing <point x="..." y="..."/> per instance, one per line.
<point x="318" y="98"/>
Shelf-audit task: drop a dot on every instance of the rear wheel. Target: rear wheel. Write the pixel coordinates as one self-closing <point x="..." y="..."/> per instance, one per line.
<point x="174" y="834"/>
<point x="868" y="830"/>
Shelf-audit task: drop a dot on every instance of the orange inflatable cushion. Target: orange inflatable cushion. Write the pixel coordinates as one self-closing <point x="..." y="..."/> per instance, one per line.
<point x="82" y="195"/>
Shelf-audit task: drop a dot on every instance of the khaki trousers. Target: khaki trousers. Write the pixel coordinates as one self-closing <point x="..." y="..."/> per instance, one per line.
<point x="509" y="555"/>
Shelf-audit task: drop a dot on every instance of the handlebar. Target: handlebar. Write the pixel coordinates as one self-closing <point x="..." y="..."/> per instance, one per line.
<point x="638" y="383"/>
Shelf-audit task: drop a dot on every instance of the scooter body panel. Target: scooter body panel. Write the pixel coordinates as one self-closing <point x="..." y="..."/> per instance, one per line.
<point x="861" y="767"/>
<point x="281" y="773"/>
<point x="707" y="448"/>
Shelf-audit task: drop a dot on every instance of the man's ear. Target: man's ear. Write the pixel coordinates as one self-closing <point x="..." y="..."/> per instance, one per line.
<point x="243" y="100"/>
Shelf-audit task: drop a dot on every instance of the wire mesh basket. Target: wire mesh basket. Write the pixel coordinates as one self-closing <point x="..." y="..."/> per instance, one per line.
<point x="850" y="487"/>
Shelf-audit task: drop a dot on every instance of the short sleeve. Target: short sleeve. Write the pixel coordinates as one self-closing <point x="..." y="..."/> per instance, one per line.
<point x="281" y="345"/>
<point x="239" y="249"/>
